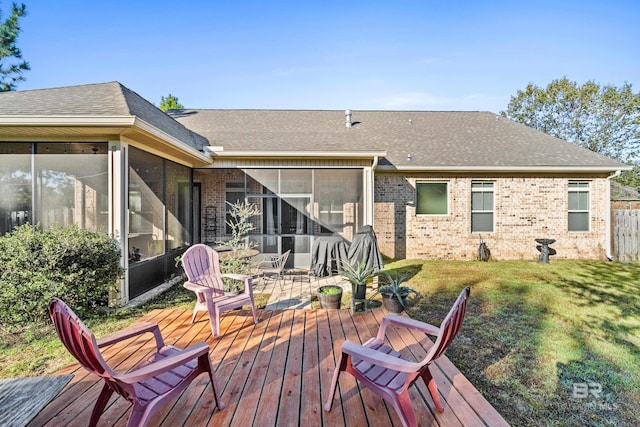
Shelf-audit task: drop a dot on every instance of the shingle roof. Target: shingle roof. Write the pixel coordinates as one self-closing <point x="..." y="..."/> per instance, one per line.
<point x="437" y="140"/>
<point x="433" y="139"/>
<point x="102" y="99"/>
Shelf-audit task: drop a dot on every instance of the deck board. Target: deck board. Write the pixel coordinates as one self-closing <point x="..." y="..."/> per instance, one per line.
<point x="277" y="372"/>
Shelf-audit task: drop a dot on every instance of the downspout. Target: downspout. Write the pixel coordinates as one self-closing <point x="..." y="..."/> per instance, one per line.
<point x="374" y="164"/>
<point x="609" y="253"/>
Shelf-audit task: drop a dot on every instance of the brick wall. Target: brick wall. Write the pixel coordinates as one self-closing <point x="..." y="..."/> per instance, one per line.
<point x="526" y="208"/>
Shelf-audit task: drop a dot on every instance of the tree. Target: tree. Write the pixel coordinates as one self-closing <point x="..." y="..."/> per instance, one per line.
<point x="11" y="63"/>
<point x="604" y="119"/>
<point x="170" y="103"/>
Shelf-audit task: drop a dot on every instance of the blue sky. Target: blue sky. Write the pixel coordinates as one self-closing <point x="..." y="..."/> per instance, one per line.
<point x="367" y="55"/>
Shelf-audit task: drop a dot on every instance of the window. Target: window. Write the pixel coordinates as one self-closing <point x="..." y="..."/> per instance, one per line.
<point x="482" y="206"/>
<point x="146" y="205"/>
<point x="16" y="184"/>
<point x="338" y="200"/>
<point x="432" y="198"/>
<point x="178" y="201"/>
<point x="234" y="194"/>
<point x="578" y="216"/>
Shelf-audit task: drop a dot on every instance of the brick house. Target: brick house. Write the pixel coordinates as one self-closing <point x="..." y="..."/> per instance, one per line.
<point x="431" y="183"/>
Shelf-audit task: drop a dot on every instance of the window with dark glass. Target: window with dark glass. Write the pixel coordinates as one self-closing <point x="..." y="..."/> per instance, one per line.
<point x="234" y="194"/>
<point x="432" y="198"/>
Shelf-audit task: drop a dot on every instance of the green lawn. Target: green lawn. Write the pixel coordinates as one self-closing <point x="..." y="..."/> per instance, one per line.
<point x="539" y="337"/>
<point x="547" y="344"/>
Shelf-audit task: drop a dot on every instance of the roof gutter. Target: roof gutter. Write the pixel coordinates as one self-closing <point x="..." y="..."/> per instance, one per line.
<point x="220" y="152"/>
<point x="607" y="219"/>
<point x="554" y="169"/>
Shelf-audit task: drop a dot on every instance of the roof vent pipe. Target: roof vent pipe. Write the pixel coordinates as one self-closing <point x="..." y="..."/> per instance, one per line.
<point x="347" y="114"/>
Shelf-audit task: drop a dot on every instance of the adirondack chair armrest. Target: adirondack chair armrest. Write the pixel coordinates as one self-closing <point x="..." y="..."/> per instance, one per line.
<point x="197" y="288"/>
<point x="378" y="358"/>
<point x="155" y="368"/>
<point x="248" y="288"/>
<point x="240" y="277"/>
<point x="408" y="323"/>
<point x="132" y="331"/>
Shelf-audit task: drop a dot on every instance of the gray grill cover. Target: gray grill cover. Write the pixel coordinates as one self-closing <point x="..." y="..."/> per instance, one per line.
<point x="365" y="247"/>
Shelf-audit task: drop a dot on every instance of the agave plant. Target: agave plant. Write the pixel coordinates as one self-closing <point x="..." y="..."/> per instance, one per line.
<point x="356" y="274"/>
<point x="393" y="288"/>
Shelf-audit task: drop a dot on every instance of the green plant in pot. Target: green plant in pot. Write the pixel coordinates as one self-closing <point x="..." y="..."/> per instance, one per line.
<point x="357" y="275"/>
<point x="394" y="293"/>
<point x="330" y="296"/>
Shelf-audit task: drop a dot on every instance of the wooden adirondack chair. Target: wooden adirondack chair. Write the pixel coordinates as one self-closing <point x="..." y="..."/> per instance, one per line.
<point x="152" y="383"/>
<point x="202" y="265"/>
<point x="273" y="268"/>
<point x="389" y="375"/>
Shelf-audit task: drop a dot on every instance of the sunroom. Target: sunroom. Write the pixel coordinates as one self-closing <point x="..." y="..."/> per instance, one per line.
<point x="156" y="207"/>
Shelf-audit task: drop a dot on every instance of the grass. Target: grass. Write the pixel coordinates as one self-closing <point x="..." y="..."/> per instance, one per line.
<point x="45" y="352"/>
<point x="535" y="335"/>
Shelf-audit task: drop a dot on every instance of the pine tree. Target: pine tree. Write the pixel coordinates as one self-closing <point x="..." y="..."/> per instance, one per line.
<point x="11" y="63"/>
<point x="170" y="103"/>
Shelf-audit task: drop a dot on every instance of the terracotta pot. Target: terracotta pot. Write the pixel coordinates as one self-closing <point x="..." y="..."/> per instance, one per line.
<point x="329" y="301"/>
<point x="391" y="304"/>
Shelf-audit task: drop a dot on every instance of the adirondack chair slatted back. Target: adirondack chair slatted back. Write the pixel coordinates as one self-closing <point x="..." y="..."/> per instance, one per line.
<point x="202" y="265"/>
<point x="384" y="377"/>
<point x="77" y="338"/>
<point x="81" y="343"/>
<point x="155" y="381"/>
<point x="450" y="326"/>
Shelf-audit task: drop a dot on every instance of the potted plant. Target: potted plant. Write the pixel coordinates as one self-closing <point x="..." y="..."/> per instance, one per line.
<point x="330" y="296"/>
<point x="357" y="275"/>
<point x="394" y="294"/>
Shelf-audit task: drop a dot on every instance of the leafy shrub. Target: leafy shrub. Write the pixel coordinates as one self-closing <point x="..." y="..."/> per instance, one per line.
<point x="70" y="263"/>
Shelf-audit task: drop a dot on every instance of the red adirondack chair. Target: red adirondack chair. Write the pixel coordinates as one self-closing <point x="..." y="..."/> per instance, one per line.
<point x="202" y="265"/>
<point x="149" y="385"/>
<point x="389" y="375"/>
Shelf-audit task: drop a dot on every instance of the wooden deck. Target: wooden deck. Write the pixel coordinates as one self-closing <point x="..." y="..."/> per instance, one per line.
<point x="275" y="373"/>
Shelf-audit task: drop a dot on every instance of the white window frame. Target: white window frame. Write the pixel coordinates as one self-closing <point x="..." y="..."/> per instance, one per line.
<point x="493" y="208"/>
<point x="586" y="190"/>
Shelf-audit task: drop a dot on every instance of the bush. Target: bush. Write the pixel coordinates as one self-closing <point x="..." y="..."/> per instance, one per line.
<point x="75" y="265"/>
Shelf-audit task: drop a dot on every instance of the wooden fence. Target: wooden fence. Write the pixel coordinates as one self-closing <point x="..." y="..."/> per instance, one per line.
<point x="625" y="226"/>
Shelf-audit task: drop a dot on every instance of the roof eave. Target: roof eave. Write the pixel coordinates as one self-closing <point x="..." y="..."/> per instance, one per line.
<point x="11" y="120"/>
<point x="199" y="156"/>
<point x="122" y="125"/>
